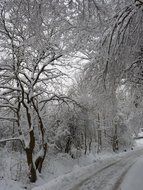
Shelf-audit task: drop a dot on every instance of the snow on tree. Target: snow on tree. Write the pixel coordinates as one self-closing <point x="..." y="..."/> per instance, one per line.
<point x="38" y="42"/>
<point x="31" y="34"/>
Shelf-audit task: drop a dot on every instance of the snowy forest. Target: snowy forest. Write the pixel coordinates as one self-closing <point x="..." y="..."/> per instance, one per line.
<point x="71" y="76"/>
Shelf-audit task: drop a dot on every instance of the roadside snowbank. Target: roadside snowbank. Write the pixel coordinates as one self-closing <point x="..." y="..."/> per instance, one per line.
<point x="69" y="180"/>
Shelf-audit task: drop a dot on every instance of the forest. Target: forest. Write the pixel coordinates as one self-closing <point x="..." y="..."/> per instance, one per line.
<point x="71" y="76"/>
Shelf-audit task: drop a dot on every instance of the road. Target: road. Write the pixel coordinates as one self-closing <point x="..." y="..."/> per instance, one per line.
<point x="111" y="176"/>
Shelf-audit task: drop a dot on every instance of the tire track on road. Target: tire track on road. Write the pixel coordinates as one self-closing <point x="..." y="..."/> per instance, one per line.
<point x="118" y="168"/>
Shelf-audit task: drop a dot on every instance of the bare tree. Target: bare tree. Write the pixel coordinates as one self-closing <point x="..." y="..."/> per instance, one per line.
<point x="30" y="33"/>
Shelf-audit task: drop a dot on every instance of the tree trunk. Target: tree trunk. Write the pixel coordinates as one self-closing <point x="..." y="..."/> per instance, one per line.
<point x="115" y="145"/>
<point x="39" y="161"/>
<point x="68" y="145"/>
<point x="99" y="140"/>
<point x="32" y="169"/>
<point x="90" y="143"/>
<point x="85" y="141"/>
<point x="99" y="136"/>
<point x="29" y="154"/>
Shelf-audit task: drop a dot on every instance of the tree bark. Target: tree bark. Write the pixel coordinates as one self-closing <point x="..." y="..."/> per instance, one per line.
<point x="32" y="169"/>
<point x="90" y="143"/>
<point x="68" y="145"/>
<point x="115" y="145"/>
<point x="39" y="161"/>
<point x="99" y="133"/>
<point x="29" y="154"/>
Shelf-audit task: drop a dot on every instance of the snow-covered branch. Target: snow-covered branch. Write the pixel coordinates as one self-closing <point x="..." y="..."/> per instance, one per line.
<point x="10" y="139"/>
<point x="9" y="119"/>
<point x="53" y="58"/>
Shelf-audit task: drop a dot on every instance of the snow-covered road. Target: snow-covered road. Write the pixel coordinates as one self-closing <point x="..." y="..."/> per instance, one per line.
<point x="106" y="175"/>
<point x="108" y="178"/>
<point x="111" y="176"/>
<point x="134" y="178"/>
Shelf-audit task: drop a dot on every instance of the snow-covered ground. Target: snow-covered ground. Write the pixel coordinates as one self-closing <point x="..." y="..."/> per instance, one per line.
<point x="56" y="168"/>
<point x="100" y="175"/>
<point x="139" y="142"/>
<point x="103" y="171"/>
<point x="10" y="185"/>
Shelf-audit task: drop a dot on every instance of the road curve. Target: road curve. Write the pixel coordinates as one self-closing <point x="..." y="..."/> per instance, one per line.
<point x="111" y="176"/>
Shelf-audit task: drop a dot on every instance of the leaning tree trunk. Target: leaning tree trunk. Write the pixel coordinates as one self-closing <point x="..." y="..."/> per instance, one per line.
<point x="40" y="159"/>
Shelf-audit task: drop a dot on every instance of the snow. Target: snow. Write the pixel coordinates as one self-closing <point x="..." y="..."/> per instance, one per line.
<point x="85" y="168"/>
<point x="140" y="134"/>
<point x="10" y="139"/>
<point x="12" y="170"/>
<point x="61" y="164"/>
<point x="10" y="185"/>
<point x="79" y="174"/>
<point x="134" y="178"/>
<point x="39" y="154"/>
<point x="139" y="142"/>
<point x="61" y="172"/>
<point x="69" y="180"/>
